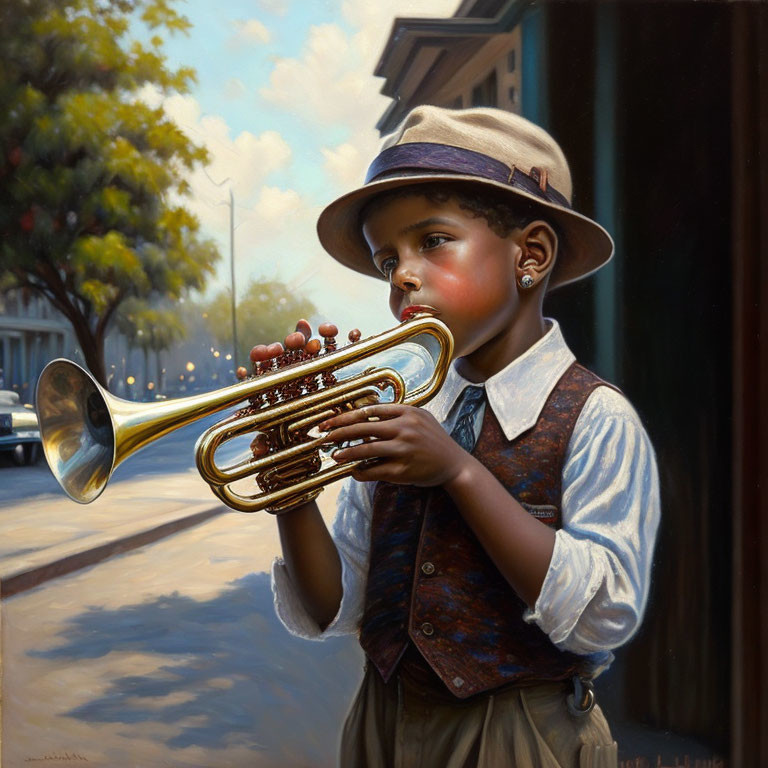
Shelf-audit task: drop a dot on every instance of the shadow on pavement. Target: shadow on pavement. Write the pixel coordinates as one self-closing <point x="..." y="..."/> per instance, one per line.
<point x="234" y="675"/>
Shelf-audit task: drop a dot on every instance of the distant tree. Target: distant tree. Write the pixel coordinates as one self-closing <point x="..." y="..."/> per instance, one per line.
<point x="89" y="174"/>
<point x="150" y="329"/>
<point x="266" y="312"/>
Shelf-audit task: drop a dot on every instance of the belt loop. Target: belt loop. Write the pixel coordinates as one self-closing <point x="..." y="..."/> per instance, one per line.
<point x="582" y="701"/>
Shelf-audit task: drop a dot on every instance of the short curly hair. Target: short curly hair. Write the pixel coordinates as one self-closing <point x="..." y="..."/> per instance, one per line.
<point x="503" y="212"/>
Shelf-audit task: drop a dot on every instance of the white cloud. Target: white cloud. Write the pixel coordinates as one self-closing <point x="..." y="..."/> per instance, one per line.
<point x="325" y="84"/>
<point x="373" y="21"/>
<point x="250" y="31"/>
<point x="241" y="163"/>
<point x="331" y="82"/>
<point x="346" y="163"/>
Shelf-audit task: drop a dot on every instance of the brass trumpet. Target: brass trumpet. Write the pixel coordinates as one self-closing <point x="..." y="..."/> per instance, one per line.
<point x="86" y="432"/>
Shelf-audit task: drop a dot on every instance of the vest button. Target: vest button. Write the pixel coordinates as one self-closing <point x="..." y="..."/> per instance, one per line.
<point x="427" y="568"/>
<point x="427" y="629"/>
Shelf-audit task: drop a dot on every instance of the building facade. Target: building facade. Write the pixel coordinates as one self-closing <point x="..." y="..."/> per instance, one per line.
<point x="31" y="334"/>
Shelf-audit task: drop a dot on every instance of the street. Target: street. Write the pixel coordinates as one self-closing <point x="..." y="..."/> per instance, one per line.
<point x="174" y="453"/>
<point x="167" y="655"/>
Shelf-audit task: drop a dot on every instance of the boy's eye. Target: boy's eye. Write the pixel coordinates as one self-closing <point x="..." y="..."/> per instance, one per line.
<point x="434" y="241"/>
<point x="387" y="265"/>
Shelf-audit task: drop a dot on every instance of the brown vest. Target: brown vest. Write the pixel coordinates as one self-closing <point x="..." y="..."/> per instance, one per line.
<point x="431" y="582"/>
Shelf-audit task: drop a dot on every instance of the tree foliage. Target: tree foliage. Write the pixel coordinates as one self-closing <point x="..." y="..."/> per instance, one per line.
<point x="90" y="175"/>
<point x="267" y="312"/>
<point x="152" y="329"/>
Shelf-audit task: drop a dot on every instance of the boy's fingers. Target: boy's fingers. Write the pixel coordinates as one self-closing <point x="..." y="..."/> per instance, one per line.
<point x="381" y="430"/>
<point x="374" y="450"/>
<point x="384" y="411"/>
<point x="371" y="472"/>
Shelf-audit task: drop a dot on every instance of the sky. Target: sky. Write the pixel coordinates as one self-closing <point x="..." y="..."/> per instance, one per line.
<point x="286" y="104"/>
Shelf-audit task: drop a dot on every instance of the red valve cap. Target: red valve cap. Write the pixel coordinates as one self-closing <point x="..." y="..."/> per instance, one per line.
<point x="304" y="328"/>
<point x="241" y="372"/>
<point x="259" y="353"/>
<point x="354" y="335"/>
<point x="328" y="330"/>
<point x="295" y="340"/>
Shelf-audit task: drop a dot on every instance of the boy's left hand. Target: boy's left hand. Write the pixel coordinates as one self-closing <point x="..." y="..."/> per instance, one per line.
<point x="412" y="446"/>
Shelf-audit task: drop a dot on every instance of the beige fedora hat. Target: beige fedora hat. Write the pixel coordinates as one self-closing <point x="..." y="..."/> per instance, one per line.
<point x="480" y="145"/>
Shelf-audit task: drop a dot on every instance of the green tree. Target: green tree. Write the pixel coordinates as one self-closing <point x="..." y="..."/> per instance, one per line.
<point x="266" y="312"/>
<point x="90" y="176"/>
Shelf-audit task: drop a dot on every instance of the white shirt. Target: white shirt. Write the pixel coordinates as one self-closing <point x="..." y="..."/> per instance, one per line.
<point x="595" y="590"/>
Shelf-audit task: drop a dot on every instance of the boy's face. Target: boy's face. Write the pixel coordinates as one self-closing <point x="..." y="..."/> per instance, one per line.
<point x="441" y="257"/>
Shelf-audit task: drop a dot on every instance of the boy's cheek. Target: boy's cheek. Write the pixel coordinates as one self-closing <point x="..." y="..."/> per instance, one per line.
<point x="395" y="297"/>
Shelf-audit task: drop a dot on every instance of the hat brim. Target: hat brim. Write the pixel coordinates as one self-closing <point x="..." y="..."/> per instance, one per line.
<point x="584" y="245"/>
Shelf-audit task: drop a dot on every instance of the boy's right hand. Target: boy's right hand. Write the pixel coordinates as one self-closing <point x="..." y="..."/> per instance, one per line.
<point x="410" y="445"/>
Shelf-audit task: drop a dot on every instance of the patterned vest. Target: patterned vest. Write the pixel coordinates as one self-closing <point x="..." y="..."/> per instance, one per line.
<point x="432" y="583"/>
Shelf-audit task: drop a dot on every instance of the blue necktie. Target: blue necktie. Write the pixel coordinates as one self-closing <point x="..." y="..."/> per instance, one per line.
<point x="463" y="431"/>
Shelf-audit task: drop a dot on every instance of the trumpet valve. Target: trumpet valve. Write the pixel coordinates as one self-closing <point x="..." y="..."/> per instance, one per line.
<point x="354" y="335"/>
<point x="329" y="332"/>
<point x="275" y="353"/>
<point x="311" y="349"/>
<point x="294" y="345"/>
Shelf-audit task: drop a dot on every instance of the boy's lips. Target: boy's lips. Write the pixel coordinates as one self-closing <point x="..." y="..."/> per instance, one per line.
<point x="415" y="309"/>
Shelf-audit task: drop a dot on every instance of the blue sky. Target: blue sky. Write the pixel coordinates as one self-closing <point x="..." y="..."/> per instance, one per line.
<point x="286" y="104"/>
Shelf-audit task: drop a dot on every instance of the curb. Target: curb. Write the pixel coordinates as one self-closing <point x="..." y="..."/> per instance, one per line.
<point x="31" y="571"/>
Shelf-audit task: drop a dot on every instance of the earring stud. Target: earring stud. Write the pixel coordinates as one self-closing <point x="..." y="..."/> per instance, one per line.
<point x="526" y="281"/>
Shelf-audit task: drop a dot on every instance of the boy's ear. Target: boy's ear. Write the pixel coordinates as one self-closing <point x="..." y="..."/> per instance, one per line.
<point x="538" y="249"/>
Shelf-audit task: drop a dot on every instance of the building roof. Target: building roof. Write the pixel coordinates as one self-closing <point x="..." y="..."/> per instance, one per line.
<point x="421" y="54"/>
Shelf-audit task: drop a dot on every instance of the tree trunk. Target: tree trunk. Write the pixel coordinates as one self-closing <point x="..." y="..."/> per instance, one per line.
<point x="52" y="289"/>
<point x="93" y="349"/>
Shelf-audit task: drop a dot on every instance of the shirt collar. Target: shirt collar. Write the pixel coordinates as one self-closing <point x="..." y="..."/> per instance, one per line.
<point x="516" y="393"/>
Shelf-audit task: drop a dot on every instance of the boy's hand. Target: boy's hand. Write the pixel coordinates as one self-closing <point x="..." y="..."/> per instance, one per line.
<point x="412" y="446"/>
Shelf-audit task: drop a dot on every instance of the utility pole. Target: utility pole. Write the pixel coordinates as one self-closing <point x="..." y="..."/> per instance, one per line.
<point x="232" y="266"/>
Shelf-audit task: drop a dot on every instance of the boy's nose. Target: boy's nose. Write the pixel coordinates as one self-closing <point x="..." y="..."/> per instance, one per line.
<point x="405" y="278"/>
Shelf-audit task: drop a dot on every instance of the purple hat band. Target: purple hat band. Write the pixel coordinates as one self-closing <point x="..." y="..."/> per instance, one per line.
<point x="424" y="156"/>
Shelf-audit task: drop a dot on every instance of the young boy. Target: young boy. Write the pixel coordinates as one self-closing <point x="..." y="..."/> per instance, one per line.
<point x="500" y="547"/>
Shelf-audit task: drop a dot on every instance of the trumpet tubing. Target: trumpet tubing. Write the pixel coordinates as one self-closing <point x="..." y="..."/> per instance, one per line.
<point x="86" y="432"/>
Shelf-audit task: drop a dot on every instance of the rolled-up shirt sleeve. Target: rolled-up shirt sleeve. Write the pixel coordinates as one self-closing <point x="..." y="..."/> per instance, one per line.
<point x="351" y="533"/>
<point x="595" y="591"/>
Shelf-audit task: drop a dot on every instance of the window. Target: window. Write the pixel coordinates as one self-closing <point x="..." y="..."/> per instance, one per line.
<point x="484" y="94"/>
<point x="511" y="60"/>
<point x="512" y="94"/>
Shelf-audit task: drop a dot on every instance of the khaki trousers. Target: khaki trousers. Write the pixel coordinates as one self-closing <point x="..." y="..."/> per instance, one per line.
<point x="394" y="725"/>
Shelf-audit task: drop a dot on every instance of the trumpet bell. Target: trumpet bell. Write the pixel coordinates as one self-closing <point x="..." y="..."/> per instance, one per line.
<point x="76" y="429"/>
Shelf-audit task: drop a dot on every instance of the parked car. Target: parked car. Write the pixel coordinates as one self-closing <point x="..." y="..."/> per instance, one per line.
<point x="19" y="432"/>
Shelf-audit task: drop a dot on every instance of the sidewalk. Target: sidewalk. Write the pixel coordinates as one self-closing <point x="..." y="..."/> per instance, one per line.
<point x="50" y="535"/>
